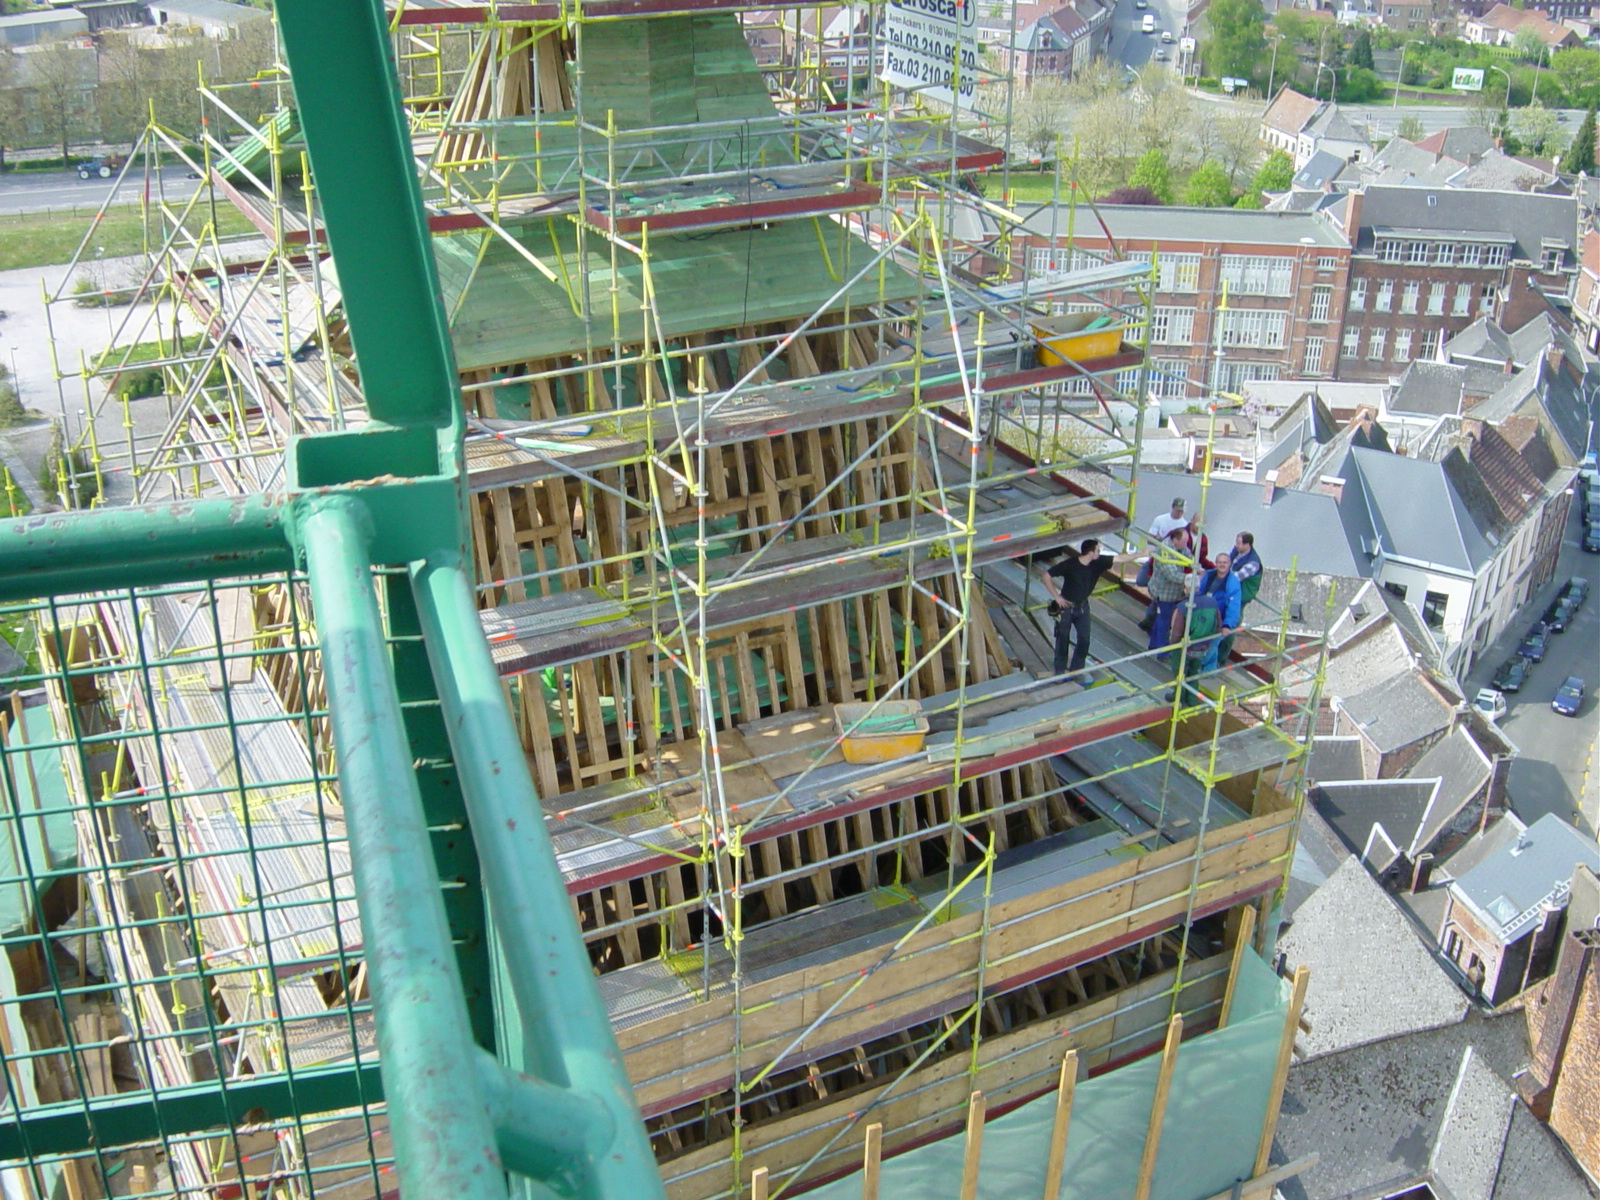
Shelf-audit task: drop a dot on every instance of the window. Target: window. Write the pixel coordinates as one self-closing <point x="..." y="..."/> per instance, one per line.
<point x="1408" y="302"/>
<point x="1384" y="300"/>
<point x="1375" y="344"/>
<point x="1436" y="299"/>
<point x="1169" y="378"/>
<point x="1327" y="263"/>
<point x="1496" y="256"/>
<point x="1431" y="341"/>
<point x="1444" y="254"/>
<point x="1233" y="376"/>
<point x="1313" y="362"/>
<point x="1463" y="303"/>
<point x="1258" y="327"/>
<point x="1358" y="295"/>
<point x="1171" y="326"/>
<point x="1391" y="251"/>
<point x="1321" y="303"/>
<point x="1042" y="259"/>
<point x="1472" y="255"/>
<point x="1395" y="589"/>
<point x="1417" y="254"/>
<point x="1551" y="259"/>
<point x="1352" y="343"/>
<point x="1486" y="303"/>
<point x="1257" y="274"/>
<point x="1180" y="273"/>
<point x="1402" y="345"/>
<point x="1433" y="608"/>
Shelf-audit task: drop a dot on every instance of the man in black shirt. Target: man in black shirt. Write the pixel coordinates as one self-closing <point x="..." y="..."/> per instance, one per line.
<point x="1077" y="573"/>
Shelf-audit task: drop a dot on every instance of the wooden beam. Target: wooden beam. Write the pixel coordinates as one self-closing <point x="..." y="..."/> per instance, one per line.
<point x="758" y="1184"/>
<point x="1277" y="1175"/>
<point x="871" y="1159"/>
<point x="1241" y="942"/>
<point x="1158" y="1109"/>
<point x="1058" y="1131"/>
<point x="969" y="1166"/>
<point x="1291" y="1023"/>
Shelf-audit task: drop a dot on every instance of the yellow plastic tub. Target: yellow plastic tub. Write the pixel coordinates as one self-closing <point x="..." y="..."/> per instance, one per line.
<point x="1066" y="339"/>
<point x="894" y="729"/>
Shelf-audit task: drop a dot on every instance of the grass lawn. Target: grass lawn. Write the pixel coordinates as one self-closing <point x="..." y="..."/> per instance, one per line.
<point x="40" y="239"/>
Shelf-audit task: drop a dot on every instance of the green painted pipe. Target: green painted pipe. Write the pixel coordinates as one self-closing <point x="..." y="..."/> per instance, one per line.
<point x="444" y="1143"/>
<point x="56" y="554"/>
<point x="568" y="1034"/>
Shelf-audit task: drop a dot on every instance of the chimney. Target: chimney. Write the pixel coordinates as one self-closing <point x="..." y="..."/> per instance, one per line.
<point x="1578" y="957"/>
<point x="1472" y="427"/>
<point x="1422" y="873"/>
<point x="1331" y="485"/>
<point x="1269" y="488"/>
<point x="1352" y="218"/>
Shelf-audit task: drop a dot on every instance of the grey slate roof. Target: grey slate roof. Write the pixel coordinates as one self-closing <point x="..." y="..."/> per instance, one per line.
<point x="1535" y="1166"/>
<point x="1430" y="389"/>
<point x="1484" y="340"/>
<point x="1381" y="1115"/>
<point x="1352" y="809"/>
<point x="1158" y="224"/>
<point x="1335" y="759"/>
<point x="1303" y="524"/>
<point x="1320" y="169"/>
<point x="1399" y="711"/>
<point x="1392" y="985"/>
<point x="1528" y="218"/>
<point x="1534" y="869"/>
<point x="1463" y="771"/>
<point x="1417" y="512"/>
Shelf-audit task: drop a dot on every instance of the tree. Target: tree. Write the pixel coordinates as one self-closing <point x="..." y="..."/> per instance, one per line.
<point x="1042" y="115"/>
<point x="63" y="80"/>
<point x="1580" y="155"/>
<point x="1361" y="51"/>
<point x="1208" y="187"/>
<point x="1237" y="41"/>
<point x="1526" y="44"/>
<point x="1233" y="138"/>
<point x="1410" y="128"/>
<point x="12" y="413"/>
<point x="1276" y="174"/>
<point x="1167" y="116"/>
<point x="1249" y="200"/>
<point x="1131" y="195"/>
<point x="13" y="122"/>
<point x="1538" y="129"/>
<point x="1577" y="69"/>
<point x="1357" y="85"/>
<point x="1153" y="172"/>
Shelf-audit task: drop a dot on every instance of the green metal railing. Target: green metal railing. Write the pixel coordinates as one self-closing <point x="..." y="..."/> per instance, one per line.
<point x="472" y="1086"/>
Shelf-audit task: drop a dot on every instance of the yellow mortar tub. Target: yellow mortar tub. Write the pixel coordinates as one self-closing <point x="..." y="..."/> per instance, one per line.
<point x="1064" y="339"/>
<point x="903" y="730"/>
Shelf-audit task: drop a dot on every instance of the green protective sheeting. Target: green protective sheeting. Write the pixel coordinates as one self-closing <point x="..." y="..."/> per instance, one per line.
<point x="512" y="314"/>
<point x="36" y="800"/>
<point x="254" y="154"/>
<point x="1213" y="1123"/>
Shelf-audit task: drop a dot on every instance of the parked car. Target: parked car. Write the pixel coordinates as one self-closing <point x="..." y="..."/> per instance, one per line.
<point x="1161" y="55"/>
<point x="1557" y="615"/>
<point x="1535" y="644"/>
<point x="1512" y="674"/>
<point x="1148" y="25"/>
<point x="1569" y="697"/>
<point x="1166" y="36"/>
<point x="1577" y="590"/>
<point x="1490" y="703"/>
<point x="1591" y="540"/>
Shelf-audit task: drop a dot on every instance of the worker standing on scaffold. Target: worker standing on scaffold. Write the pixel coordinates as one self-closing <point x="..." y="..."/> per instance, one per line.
<point x="1078" y="574"/>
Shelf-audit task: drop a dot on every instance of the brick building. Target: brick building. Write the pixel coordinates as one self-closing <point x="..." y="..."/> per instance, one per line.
<point x="1284" y="273"/>
<point x="1425" y="263"/>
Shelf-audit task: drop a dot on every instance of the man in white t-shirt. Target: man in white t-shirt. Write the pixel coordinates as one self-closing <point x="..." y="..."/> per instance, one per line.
<point x="1175" y="518"/>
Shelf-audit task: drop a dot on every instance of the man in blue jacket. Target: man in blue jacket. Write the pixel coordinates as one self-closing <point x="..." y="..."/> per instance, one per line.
<point x="1221" y="583"/>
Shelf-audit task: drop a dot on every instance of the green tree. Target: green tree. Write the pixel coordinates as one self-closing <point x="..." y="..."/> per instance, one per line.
<point x="1538" y="129"/>
<point x="1153" y="172"/>
<point x="1041" y="116"/>
<point x="1361" y="50"/>
<point x="1580" y="155"/>
<point x="12" y="413"/>
<point x="1410" y="128"/>
<point x="1208" y="187"/>
<point x="1527" y="44"/>
<point x="1249" y="200"/>
<point x="1276" y="174"/>
<point x="1578" y="71"/>
<point x="63" y="81"/>
<point x="1237" y="41"/>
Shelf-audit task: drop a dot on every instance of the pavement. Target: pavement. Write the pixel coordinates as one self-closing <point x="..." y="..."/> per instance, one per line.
<point x="1555" y="770"/>
<point x="63" y="191"/>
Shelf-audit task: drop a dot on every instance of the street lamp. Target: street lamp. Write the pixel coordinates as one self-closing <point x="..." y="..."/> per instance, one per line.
<point x="1400" y="77"/>
<point x="1272" y="72"/>
<point x="1317" y="83"/>
<point x="1537" y="63"/>
<point x="1507" y="74"/>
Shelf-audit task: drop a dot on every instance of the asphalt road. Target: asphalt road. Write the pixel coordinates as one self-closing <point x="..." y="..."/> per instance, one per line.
<point x="44" y="191"/>
<point x="1555" y="771"/>
<point x="1134" y="48"/>
<point x="1385" y="120"/>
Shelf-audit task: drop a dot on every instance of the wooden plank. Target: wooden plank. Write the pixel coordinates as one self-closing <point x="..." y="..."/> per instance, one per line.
<point x="1280" y="1075"/>
<point x="872" y="1157"/>
<point x="1158" y="1110"/>
<point x="974" y="1150"/>
<point x="758" y="1184"/>
<point x="1058" y="1129"/>
<point x="1242" y="940"/>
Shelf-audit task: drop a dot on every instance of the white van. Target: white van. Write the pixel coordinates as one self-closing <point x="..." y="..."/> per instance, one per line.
<point x="1149" y="22"/>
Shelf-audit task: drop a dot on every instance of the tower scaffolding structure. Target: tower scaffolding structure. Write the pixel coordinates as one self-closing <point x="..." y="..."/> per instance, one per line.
<point x="746" y="502"/>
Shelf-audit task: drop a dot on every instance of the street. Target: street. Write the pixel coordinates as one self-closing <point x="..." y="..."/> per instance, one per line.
<point x="1555" y="770"/>
<point x="1384" y="120"/>
<point x="1134" y="48"/>
<point x="44" y="191"/>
